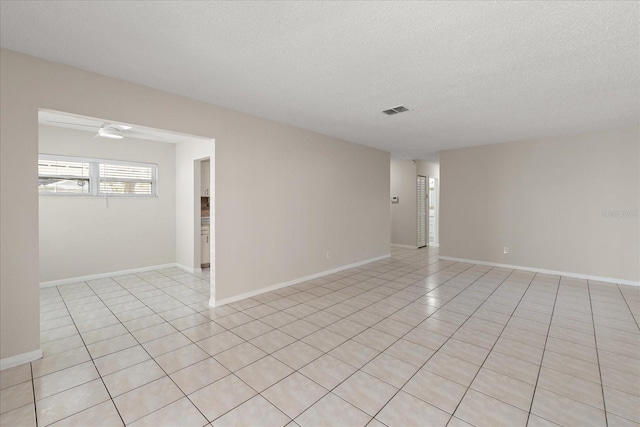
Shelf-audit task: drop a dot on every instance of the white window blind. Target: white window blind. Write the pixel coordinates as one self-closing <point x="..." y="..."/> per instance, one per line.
<point x="56" y="176"/>
<point x="126" y="179"/>
<point x="61" y="175"/>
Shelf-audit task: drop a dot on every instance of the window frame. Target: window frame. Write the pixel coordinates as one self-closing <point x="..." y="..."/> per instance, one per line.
<point x="95" y="178"/>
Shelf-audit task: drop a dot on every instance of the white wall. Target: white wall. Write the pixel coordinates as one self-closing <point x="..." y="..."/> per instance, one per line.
<point x="428" y="169"/>
<point x="545" y="200"/>
<point x="404" y="214"/>
<point x="283" y="196"/>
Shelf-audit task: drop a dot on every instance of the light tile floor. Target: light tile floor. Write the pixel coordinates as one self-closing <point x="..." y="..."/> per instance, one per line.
<point x="406" y="341"/>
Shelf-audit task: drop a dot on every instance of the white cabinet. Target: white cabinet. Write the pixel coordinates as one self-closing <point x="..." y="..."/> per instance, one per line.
<point x="205" y="175"/>
<point x="205" y="246"/>
<point x="206" y="249"/>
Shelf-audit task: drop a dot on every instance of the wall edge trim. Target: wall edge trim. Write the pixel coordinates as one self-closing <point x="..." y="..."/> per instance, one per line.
<point x="19" y="359"/>
<point x="545" y="271"/>
<point x="214" y="303"/>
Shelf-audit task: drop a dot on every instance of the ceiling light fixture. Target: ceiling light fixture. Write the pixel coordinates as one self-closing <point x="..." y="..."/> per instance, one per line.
<point x="110" y="132"/>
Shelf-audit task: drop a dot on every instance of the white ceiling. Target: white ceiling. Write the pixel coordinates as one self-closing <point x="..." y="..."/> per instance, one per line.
<point x="471" y="73"/>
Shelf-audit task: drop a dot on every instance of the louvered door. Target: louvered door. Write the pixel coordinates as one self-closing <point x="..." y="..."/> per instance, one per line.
<point x="422" y="211"/>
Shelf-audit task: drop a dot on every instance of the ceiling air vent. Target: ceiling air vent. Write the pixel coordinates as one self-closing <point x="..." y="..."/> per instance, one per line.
<point x="395" y="110"/>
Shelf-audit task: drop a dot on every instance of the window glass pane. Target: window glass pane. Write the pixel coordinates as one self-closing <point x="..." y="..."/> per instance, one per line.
<point x="57" y="185"/>
<point x="126" y="172"/>
<point x="125" y="187"/>
<point x="59" y="176"/>
<point x="126" y="179"/>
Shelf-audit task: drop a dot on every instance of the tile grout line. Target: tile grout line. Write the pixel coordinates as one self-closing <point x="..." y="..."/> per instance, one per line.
<point x="595" y="338"/>
<point x="628" y="306"/>
<point x="544" y="349"/>
<point x="33" y="390"/>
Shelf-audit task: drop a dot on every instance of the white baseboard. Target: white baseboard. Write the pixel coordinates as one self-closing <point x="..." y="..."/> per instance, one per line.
<point x="19" y="359"/>
<point x="188" y="269"/>
<point x="544" y="271"/>
<point x="229" y="300"/>
<point x="105" y="275"/>
<point x="393" y="245"/>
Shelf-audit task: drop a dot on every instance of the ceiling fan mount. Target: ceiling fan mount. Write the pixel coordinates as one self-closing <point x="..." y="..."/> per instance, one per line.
<point x="112" y="131"/>
<point x="106" y="130"/>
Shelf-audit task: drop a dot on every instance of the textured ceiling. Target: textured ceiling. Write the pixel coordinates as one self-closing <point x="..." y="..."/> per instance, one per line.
<point x="471" y="73"/>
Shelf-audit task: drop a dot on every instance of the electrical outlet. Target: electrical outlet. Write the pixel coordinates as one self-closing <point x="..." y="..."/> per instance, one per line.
<point x="506" y="249"/>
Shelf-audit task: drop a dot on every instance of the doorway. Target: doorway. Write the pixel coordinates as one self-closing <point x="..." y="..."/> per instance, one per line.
<point x="205" y="213"/>
<point x="119" y="198"/>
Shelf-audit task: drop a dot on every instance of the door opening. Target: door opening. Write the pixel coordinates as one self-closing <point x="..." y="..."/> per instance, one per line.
<point x="205" y="213"/>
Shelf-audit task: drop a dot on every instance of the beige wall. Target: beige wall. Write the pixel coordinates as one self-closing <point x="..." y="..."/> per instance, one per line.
<point x="283" y="196"/>
<point x="289" y="201"/>
<point x="545" y="200"/>
<point x="81" y="236"/>
<point x="404" y="214"/>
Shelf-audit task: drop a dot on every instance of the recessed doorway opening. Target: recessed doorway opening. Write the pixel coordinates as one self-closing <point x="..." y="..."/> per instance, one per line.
<point x="117" y="198"/>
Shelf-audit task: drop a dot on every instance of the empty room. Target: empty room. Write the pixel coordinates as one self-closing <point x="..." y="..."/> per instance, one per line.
<point x="282" y="213"/>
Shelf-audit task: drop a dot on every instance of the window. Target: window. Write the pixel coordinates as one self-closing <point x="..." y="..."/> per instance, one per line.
<point x="57" y="176"/>
<point x="62" y="175"/>
<point x="126" y="179"/>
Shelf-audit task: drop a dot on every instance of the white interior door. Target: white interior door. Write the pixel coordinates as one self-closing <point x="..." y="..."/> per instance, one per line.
<point x="422" y="211"/>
